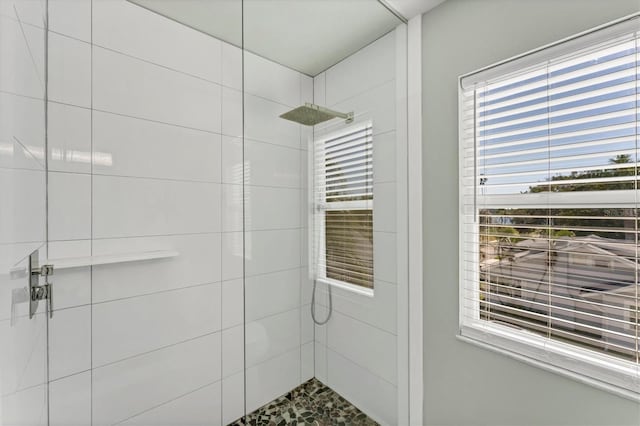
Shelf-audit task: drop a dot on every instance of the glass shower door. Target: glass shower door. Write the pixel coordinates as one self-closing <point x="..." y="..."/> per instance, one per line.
<point x="23" y="325"/>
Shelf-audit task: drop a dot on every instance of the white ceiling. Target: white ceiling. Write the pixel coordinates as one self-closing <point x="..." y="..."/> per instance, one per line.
<point x="411" y="8"/>
<point x="306" y="35"/>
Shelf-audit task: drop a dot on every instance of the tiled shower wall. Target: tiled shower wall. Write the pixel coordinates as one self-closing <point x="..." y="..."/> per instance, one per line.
<point x="145" y="153"/>
<point x="356" y="352"/>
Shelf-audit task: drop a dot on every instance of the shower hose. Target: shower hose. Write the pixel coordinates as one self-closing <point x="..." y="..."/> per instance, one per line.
<point x="313" y="305"/>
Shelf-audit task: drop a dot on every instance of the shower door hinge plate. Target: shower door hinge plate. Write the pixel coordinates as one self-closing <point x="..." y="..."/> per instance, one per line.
<point x="39" y="292"/>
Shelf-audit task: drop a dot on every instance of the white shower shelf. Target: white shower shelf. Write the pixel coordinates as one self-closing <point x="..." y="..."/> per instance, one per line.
<point x="108" y="259"/>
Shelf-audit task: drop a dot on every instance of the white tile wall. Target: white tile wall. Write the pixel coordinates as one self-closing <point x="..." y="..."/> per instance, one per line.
<point x="132" y="207"/>
<point x="272" y="378"/>
<point x="130" y="29"/>
<point x="232" y="161"/>
<point x="132" y="386"/>
<point x="69" y="342"/>
<point x="384" y="256"/>
<point x="270" y="80"/>
<point x="132" y="326"/>
<point x="232" y="347"/>
<point x="271" y="251"/>
<point x="232" y="255"/>
<point x="271" y="336"/>
<point x="26" y="407"/>
<point x="261" y="122"/>
<point x="273" y="293"/>
<point x="69" y="206"/>
<point x="364" y="370"/>
<point x="233" y="398"/>
<point x="126" y="146"/>
<point x="272" y="208"/>
<point x="232" y="112"/>
<point x="22" y="207"/>
<point x="384" y="195"/>
<point x="231" y="66"/>
<point x="167" y="96"/>
<point x="362" y="71"/>
<point x="70" y="400"/>
<point x="374" y="349"/>
<point x="30" y="12"/>
<point x="201" y="407"/>
<point x="271" y="165"/>
<point x="21" y="132"/>
<point x="71" y="18"/>
<point x="22" y="47"/>
<point x="73" y="286"/>
<point x="366" y="391"/>
<point x="69" y="138"/>
<point x="23" y="361"/>
<point x="232" y="303"/>
<point x="379" y="311"/>
<point x="118" y="281"/>
<point x="69" y="72"/>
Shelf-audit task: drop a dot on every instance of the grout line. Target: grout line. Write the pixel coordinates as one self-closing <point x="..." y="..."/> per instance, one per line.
<point x="167" y="179"/>
<point x="66" y="376"/>
<point x="26" y="169"/>
<point x="19" y="95"/>
<point x="195" y="129"/>
<point x="169" y="401"/>
<point x="186" y="234"/>
<point x="171" y="345"/>
<point x="271" y="358"/>
<point x="120" y="299"/>
<point x="327" y="348"/>
<point x="20" y="390"/>
<point x="287" y="311"/>
<point x="159" y="65"/>
<point x="213" y="82"/>
<point x="395" y="334"/>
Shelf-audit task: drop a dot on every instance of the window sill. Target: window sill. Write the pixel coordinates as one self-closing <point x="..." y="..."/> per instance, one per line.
<point x="368" y="292"/>
<point x="565" y="362"/>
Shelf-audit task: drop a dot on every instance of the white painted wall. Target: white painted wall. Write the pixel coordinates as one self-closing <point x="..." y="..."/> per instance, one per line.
<point x="158" y="107"/>
<point x="356" y="352"/>
<point x="465" y="384"/>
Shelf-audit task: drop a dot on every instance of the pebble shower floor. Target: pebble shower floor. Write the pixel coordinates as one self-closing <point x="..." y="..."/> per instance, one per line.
<point x="311" y="403"/>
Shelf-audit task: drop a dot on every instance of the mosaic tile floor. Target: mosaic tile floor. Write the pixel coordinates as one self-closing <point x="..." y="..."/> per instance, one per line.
<point x="311" y="403"/>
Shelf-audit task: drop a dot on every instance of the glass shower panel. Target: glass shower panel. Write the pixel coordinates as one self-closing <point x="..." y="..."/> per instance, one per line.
<point x="145" y="149"/>
<point x="323" y="119"/>
<point x="23" y="324"/>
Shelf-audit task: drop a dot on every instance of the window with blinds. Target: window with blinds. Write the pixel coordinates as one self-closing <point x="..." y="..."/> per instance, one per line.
<point x="343" y="231"/>
<point x="549" y="204"/>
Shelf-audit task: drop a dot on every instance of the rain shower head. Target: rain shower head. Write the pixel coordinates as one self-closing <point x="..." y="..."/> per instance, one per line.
<point x="310" y="115"/>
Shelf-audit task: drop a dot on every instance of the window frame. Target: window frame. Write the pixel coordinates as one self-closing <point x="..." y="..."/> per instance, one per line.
<point x="600" y="370"/>
<point x="321" y="206"/>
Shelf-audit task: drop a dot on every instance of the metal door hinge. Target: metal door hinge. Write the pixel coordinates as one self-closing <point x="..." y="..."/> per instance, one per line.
<point x="43" y="271"/>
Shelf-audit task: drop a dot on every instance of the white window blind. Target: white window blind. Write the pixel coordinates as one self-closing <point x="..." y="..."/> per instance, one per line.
<point x="549" y="206"/>
<point x="343" y="225"/>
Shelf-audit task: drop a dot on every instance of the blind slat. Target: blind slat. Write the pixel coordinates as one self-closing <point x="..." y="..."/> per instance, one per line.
<point x="343" y="228"/>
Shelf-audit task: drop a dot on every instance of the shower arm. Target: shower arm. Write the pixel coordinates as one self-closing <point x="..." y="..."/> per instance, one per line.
<point x="348" y="117"/>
